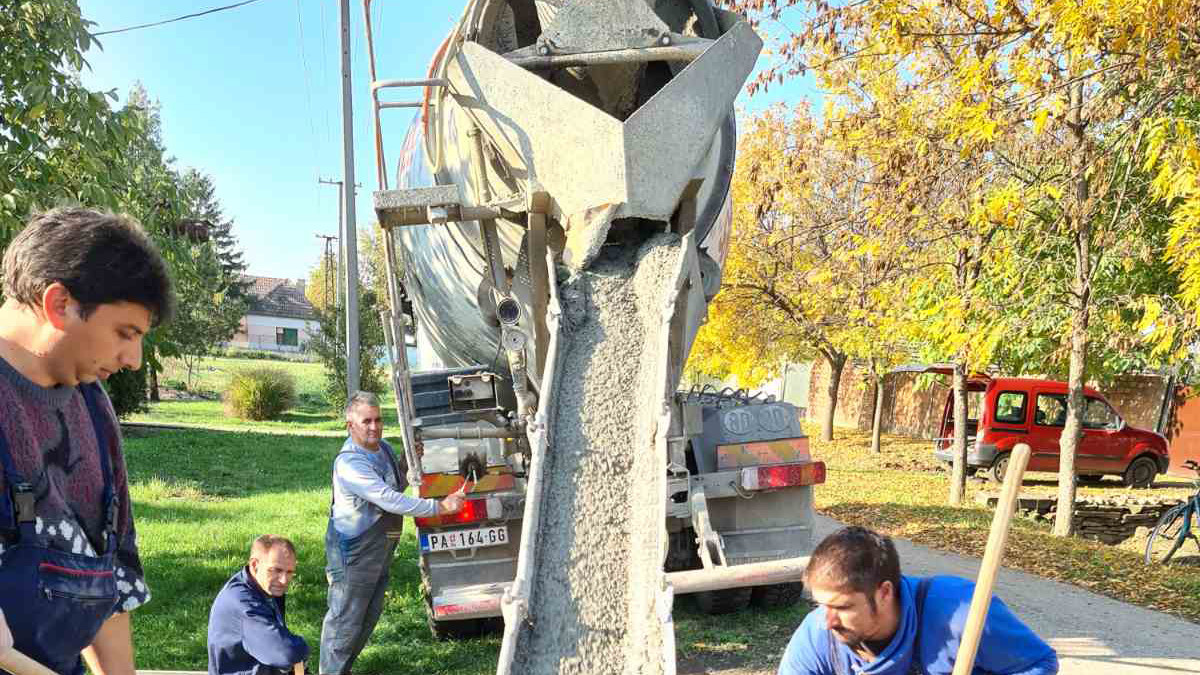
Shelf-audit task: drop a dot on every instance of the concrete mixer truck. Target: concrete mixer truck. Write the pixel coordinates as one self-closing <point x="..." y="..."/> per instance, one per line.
<point x="556" y="227"/>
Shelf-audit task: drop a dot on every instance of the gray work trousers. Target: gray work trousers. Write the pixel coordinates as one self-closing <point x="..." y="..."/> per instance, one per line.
<point x="357" y="568"/>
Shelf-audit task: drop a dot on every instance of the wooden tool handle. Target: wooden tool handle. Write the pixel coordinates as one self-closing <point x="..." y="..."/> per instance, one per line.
<point x="18" y="664"/>
<point x="997" y="538"/>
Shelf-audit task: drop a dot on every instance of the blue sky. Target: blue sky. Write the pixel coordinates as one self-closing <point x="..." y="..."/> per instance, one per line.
<point x="248" y="100"/>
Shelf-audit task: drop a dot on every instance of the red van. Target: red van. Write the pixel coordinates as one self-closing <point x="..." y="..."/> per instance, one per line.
<point x="1004" y="411"/>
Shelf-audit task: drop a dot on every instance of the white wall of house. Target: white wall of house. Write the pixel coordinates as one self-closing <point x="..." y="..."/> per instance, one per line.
<point x="261" y="332"/>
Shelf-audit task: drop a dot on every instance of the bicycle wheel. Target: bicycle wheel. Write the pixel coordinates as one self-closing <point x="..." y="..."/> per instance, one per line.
<point x="1166" y="538"/>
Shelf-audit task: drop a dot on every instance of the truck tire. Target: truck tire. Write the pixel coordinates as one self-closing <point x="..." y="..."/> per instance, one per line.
<point x="777" y="596"/>
<point x="724" y="601"/>
<point x="446" y="630"/>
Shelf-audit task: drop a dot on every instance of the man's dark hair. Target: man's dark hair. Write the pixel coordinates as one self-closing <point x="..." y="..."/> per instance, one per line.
<point x="100" y="258"/>
<point x="264" y="543"/>
<point x="856" y="559"/>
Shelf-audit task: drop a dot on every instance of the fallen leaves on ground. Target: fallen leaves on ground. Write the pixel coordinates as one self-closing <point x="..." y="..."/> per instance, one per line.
<point x="902" y="492"/>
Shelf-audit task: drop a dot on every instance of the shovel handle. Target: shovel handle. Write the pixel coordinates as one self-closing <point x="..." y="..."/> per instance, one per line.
<point x="18" y="664"/>
<point x="964" y="662"/>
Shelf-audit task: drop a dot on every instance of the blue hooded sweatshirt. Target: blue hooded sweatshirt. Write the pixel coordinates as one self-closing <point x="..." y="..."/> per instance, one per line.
<point x="927" y="639"/>
<point x="246" y="631"/>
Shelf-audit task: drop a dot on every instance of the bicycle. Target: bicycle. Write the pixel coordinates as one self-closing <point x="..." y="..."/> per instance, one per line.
<point x="1175" y="526"/>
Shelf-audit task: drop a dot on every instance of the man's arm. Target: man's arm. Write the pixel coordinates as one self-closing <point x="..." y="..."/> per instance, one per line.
<point x="111" y="652"/>
<point x="6" y="638"/>
<point x="807" y="653"/>
<point x="270" y="642"/>
<point x="1009" y="647"/>
<point x="359" y="478"/>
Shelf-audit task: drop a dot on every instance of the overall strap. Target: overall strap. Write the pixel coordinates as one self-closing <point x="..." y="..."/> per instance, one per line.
<point x="17" y="497"/>
<point x="391" y="457"/>
<point x="333" y="477"/>
<point x="93" y="398"/>
<point x="17" y="503"/>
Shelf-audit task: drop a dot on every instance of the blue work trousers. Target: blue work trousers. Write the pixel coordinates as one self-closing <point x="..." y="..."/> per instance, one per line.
<point x="358" y="570"/>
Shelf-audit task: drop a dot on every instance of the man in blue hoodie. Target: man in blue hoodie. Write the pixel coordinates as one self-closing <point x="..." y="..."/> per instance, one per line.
<point x="870" y="620"/>
<point x="247" y="634"/>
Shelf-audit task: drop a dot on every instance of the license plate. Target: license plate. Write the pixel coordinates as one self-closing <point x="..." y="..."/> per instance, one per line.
<point x="460" y="539"/>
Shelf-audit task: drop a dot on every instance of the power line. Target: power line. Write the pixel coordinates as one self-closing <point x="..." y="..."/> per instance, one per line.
<point x="178" y="18"/>
<point x="308" y="95"/>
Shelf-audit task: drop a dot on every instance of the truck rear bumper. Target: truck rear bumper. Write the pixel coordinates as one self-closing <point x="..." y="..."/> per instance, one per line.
<point x="483" y="600"/>
<point x="469" y="602"/>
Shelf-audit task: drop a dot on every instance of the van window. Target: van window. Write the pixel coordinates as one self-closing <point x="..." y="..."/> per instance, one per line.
<point x="1010" y="407"/>
<point x="1098" y="415"/>
<point x="1051" y="410"/>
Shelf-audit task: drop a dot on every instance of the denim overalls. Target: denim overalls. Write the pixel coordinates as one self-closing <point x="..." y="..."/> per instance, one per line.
<point x="55" y="602"/>
<point x="358" y="569"/>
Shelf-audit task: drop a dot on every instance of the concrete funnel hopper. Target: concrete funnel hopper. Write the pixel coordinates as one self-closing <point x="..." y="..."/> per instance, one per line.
<point x="595" y="167"/>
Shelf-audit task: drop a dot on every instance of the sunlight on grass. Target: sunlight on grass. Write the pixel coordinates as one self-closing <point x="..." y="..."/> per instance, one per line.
<point x="201" y="497"/>
<point x="157" y="488"/>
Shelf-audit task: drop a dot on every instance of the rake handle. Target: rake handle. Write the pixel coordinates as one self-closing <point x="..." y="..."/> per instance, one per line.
<point x="964" y="662"/>
<point x="18" y="664"/>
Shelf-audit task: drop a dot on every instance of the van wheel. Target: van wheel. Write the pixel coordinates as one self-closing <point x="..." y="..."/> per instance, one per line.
<point x="777" y="596"/>
<point x="998" y="469"/>
<point x="1141" y="472"/>
<point x="724" y="601"/>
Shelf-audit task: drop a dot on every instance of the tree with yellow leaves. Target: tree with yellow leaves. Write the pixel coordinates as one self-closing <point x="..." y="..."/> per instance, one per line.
<point x="804" y="275"/>
<point x="1093" y="81"/>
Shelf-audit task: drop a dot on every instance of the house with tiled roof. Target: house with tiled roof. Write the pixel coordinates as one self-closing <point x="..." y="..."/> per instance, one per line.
<point x="279" y="319"/>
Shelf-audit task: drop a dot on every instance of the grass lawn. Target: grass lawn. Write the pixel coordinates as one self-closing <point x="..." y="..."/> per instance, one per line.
<point x="310" y="414"/>
<point x="212" y="375"/>
<point x="903" y="492"/>
<point x="201" y="496"/>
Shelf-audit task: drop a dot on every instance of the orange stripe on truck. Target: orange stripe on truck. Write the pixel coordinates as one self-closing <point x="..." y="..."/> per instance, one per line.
<point x="442" y="484"/>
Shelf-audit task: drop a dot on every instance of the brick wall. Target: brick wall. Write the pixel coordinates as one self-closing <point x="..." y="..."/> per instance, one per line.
<point x="913" y="405"/>
<point x="1138" y="398"/>
<point x="855" y="396"/>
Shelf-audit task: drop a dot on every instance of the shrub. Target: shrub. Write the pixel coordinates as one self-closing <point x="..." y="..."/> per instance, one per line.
<point x="127" y="389"/>
<point x="260" y="393"/>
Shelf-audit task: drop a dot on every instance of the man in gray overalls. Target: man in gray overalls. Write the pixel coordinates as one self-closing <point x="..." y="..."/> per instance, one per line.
<point x="368" y="482"/>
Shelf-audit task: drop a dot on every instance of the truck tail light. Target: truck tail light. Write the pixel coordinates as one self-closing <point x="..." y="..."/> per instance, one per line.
<point x="473" y="511"/>
<point x="786" y="475"/>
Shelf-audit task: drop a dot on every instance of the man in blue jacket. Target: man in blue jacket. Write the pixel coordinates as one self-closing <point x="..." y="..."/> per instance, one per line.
<point x="870" y="620"/>
<point x="247" y="634"/>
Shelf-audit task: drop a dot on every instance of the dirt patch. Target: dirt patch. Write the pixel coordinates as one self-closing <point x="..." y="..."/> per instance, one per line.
<point x="593" y="592"/>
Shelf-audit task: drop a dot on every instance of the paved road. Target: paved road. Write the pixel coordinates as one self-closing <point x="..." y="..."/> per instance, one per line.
<point x="1093" y="635"/>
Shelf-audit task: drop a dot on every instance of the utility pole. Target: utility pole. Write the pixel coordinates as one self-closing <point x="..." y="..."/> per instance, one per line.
<point x="340" y="287"/>
<point x="349" y="224"/>
<point x="328" y="282"/>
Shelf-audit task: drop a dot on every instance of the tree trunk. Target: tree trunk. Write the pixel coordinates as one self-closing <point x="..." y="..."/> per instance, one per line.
<point x="153" y="384"/>
<point x="837" y="362"/>
<point x="958" y="473"/>
<point x="1081" y="311"/>
<point x="875" y="424"/>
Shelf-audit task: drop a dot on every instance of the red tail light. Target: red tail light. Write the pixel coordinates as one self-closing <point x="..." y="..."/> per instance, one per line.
<point x="473" y="511"/>
<point x="786" y="475"/>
